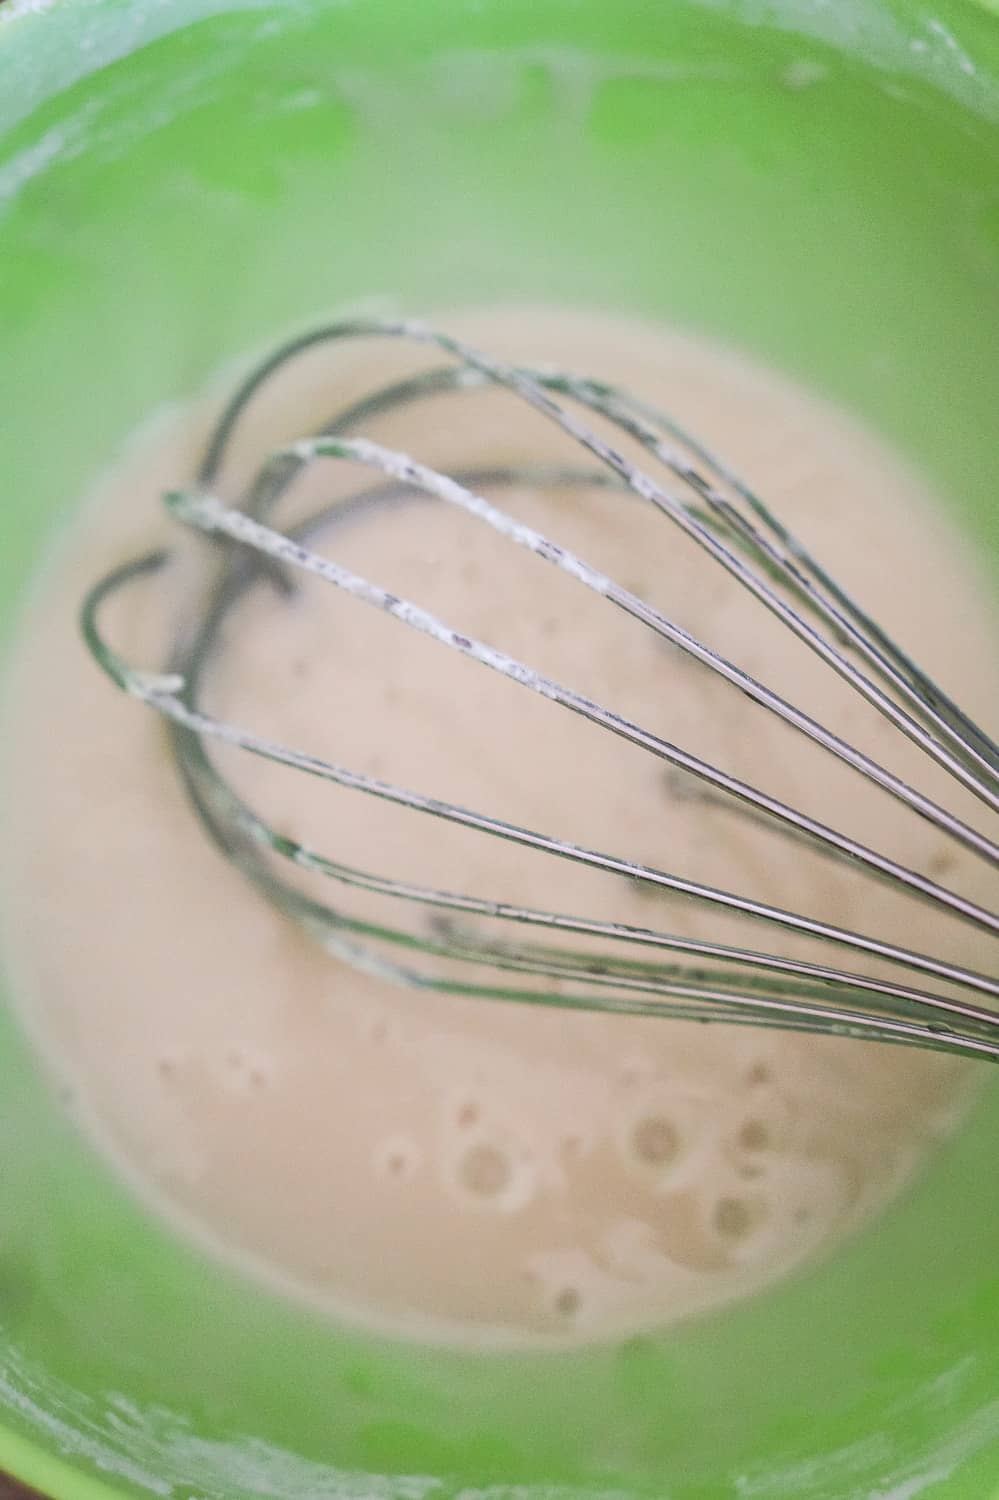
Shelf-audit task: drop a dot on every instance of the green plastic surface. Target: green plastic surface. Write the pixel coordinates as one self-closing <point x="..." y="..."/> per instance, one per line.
<point x="179" y="179"/>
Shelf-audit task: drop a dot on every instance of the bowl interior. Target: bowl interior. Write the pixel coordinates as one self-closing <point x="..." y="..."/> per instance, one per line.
<point x="177" y="183"/>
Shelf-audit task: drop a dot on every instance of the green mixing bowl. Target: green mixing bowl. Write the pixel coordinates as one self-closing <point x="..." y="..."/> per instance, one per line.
<point x="817" y="180"/>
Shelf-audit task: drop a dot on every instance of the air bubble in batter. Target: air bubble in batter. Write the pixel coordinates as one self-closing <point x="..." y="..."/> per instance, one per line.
<point x="399" y="1158"/>
<point x="491" y="1171"/>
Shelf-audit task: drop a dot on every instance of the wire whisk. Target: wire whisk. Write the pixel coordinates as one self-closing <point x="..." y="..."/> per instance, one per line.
<point x="869" y="988"/>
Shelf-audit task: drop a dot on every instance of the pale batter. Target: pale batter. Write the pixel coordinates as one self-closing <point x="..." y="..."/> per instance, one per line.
<point x="463" y="1170"/>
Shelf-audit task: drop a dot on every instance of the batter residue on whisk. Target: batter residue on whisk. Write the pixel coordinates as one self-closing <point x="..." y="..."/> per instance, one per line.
<point x="459" y="1170"/>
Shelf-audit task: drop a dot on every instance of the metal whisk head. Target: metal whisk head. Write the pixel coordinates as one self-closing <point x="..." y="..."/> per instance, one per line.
<point x="863" y="986"/>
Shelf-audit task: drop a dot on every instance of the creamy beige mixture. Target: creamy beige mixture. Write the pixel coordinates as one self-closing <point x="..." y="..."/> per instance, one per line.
<point x="463" y="1170"/>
